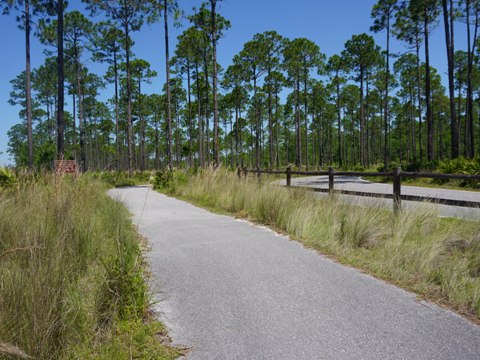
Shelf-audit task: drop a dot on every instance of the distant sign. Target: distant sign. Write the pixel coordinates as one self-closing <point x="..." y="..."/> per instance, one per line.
<point x="66" y="167"/>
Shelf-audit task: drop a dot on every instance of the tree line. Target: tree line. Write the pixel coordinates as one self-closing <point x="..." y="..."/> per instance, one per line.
<point x="280" y="101"/>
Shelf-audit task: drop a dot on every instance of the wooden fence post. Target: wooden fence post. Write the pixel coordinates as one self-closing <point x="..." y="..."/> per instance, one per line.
<point x="397" y="190"/>
<point x="330" y="181"/>
<point x="289" y="175"/>
<point x="239" y="172"/>
<point x="245" y="172"/>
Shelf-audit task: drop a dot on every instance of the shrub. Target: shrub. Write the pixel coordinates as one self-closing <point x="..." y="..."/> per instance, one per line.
<point x="460" y="166"/>
<point x="7" y="178"/>
<point x="169" y="181"/>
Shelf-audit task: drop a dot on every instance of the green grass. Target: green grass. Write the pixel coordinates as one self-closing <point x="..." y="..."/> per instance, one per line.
<point x="437" y="258"/>
<point x="72" y="277"/>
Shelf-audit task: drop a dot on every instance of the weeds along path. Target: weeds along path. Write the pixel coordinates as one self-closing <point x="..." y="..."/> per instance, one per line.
<point x="232" y="290"/>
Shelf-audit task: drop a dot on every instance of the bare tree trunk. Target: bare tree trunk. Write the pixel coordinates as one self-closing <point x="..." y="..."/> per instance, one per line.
<point x="257" y="122"/>
<point x="237" y="130"/>
<point x="201" y="152"/>
<point x="451" y="86"/>
<point x="277" y="128"/>
<point x="270" y="125"/>
<point x="386" y="119"/>
<point x="130" y="139"/>
<point x="117" y="140"/>
<point x="298" y="141"/>
<point x="419" y="95"/>
<point x="157" y="147"/>
<point x="470" y="51"/>
<point x="207" y="115"/>
<point x="190" y="122"/>
<point x="74" y="112"/>
<point x="142" y="127"/>
<point x="169" y="100"/>
<point x="362" y="122"/>
<point x="430" y="128"/>
<point x="60" y="87"/>
<point x="305" y="117"/>
<point x="177" y="136"/>
<point x="216" y="147"/>
<point x="81" y="125"/>
<point x="339" y="120"/>
<point x="28" y="86"/>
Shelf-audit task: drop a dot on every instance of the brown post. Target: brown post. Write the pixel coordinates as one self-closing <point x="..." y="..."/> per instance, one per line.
<point x="397" y="187"/>
<point x="259" y="174"/>
<point x="330" y="180"/>
<point x="289" y="175"/>
<point x="239" y="172"/>
<point x="245" y="172"/>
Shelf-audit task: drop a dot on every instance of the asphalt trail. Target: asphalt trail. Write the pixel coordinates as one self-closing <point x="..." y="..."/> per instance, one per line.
<point x="232" y="290"/>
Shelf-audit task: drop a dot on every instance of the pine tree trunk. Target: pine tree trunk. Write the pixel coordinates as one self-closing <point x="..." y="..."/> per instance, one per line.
<point x="190" y="122"/>
<point x="470" y="52"/>
<point x="169" y="100"/>
<point x="142" y="127"/>
<point x="386" y="120"/>
<point x="305" y="117"/>
<point x="74" y="112"/>
<point x="277" y="137"/>
<point x="430" y="127"/>
<point x="130" y="140"/>
<point x="60" y="87"/>
<point x="257" y="122"/>
<point x="214" y="90"/>
<point x="28" y="86"/>
<point x="117" y="116"/>
<point x="157" y="147"/>
<point x="419" y="95"/>
<point x="362" y="121"/>
<point x="339" y="120"/>
<point x="81" y="125"/>
<point x="451" y="87"/>
<point x="236" y="135"/>
<point x="270" y="125"/>
<point x="201" y="147"/>
<point x="298" y="142"/>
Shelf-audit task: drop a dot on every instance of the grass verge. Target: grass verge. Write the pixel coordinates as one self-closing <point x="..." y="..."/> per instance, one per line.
<point x="72" y="277"/>
<point x="437" y="258"/>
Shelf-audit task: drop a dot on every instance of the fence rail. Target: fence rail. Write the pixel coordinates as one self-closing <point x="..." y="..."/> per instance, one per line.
<point x="397" y="174"/>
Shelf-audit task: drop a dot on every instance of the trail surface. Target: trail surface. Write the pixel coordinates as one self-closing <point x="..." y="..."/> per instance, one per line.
<point x="357" y="184"/>
<point x="232" y="290"/>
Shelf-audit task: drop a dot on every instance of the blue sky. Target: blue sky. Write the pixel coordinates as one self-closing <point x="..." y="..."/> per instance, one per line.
<point x="329" y="23"/>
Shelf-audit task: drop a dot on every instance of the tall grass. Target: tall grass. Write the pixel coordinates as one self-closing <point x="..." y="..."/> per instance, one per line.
<point x="438" y="258"/>
<point x="71" y="273"/>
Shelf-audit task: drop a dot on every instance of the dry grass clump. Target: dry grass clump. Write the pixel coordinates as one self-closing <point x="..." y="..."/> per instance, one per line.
<point x="438" y="258"/>
<point x="70" y="270"/>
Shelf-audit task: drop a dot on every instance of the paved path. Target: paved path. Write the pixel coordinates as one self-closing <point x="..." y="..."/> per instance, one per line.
<point x="232" y="290"/>
<point x="353" y="183"/>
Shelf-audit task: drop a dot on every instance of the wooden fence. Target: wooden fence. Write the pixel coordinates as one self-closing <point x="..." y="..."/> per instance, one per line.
<point x="397" y="174"/>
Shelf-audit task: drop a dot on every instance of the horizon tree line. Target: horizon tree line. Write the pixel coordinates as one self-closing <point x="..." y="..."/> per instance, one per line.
<point x="280" y="101"/>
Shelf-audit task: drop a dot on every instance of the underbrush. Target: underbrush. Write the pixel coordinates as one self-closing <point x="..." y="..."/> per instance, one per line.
<point x="72" y="280"/>
<point x="437" y="258"/>
<point x="169" y="181"/>
<point x="121" y="178"/>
